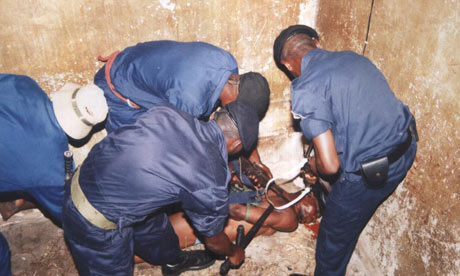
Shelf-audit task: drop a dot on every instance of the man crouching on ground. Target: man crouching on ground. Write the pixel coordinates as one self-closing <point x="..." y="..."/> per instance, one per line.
<point x="114" y="207"/>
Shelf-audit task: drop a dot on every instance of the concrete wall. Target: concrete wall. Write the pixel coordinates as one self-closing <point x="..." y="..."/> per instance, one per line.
<point x="414" y="43"/>
<point x="57" y="41"/>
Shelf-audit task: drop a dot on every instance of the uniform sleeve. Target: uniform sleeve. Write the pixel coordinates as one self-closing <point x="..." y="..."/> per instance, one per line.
<point x="199" y="78"/>
<point x="193" y="99"/>
<point x="207" y="209"/>
<point x="310" y="104"/>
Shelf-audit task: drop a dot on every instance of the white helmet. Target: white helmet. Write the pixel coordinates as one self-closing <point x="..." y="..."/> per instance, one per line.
<point x="79" y="108"/>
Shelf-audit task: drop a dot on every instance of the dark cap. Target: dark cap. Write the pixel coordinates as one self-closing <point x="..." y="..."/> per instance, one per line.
<point x="247" y="122"/>
<point x="254" y="90"/>
<point x="284" y="36"/>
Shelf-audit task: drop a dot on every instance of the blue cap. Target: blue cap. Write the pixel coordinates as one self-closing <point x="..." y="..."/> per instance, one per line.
<point x="246" y="120"/>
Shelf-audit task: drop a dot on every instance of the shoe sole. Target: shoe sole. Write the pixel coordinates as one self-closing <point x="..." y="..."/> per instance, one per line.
<point x="192" y="268"/>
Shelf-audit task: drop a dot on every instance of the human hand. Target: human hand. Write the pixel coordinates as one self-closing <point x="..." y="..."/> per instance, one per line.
<point x="264" y="168"/>
<point x="259" y="175"/>
<point x="235" y="180"/>
<point x="238" y="256"/>
<point x="310" y="178"/>
<point x="309" y="170"/>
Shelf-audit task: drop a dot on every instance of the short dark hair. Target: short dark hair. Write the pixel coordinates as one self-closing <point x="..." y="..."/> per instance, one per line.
<point x="226" y="124"/>
<point x="296" y="46"/>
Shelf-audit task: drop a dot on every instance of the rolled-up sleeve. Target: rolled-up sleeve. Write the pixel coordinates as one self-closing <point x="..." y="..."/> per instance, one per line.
<point x="207" y="209"/>
<point x="310" y="104"/>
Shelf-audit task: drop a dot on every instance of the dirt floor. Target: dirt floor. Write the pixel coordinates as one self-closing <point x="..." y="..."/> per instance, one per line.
<point x="38" y="248"/>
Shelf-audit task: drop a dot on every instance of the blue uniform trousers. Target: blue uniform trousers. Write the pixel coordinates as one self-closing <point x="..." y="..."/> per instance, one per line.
<point x="5" y="255"/>
<point x="110" y="252"/>
<point x="349" y="207"/>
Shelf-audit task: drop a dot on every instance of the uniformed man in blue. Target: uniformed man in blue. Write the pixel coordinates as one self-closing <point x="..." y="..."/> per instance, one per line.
<point x="33" y="138"/>
<point x="116" y="204"/>
<point x="364" y="137"/>
<point x="195" y="77"/>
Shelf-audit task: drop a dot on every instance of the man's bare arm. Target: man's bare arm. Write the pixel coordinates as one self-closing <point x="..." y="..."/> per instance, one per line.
<point x="284" y="220"/>
<point x="326" y="160"/>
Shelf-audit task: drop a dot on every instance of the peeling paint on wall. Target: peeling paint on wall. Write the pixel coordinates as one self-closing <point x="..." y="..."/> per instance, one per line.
<point x="308" y="13"/>
<point x="166" y="4"/>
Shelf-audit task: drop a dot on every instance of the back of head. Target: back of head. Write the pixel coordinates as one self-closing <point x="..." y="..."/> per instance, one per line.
<point x="246" y="121"/>
<point x="308" y="35"/>
<point x="308" y="209"/>
<point x="254" y="90"/>
<point x="78" y="109"/>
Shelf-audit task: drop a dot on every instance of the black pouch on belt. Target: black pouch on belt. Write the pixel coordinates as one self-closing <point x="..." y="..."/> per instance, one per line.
<point x="375" y="172"/>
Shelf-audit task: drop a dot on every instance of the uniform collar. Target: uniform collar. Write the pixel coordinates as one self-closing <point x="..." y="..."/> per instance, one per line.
<point x="307" y="58"/>
<point x="305" y="62"/>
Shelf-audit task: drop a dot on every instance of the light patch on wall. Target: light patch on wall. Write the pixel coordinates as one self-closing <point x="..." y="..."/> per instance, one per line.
<point x="166" y="4"/>
<point x="53" y="82"/>
<point x="308" y="13"/>
<point x="267" y="65"/>
<point x="287" y="92"/>
<point x="282" y="157"/>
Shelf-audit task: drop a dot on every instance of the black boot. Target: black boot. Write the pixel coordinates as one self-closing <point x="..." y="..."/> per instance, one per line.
<point x="190" y="260"/>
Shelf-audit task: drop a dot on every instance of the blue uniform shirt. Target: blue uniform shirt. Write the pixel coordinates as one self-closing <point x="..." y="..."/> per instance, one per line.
<point x="32" y="144"/>
<point x="166" y="156"/>
<point x="345" y="92"/>
<point x="188" y="75"/>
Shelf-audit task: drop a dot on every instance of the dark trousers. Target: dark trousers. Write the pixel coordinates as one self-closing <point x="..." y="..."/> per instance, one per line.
<point x="5" y="255"/>
<point x="110" y="252"/>
<point x="349" y="207"/>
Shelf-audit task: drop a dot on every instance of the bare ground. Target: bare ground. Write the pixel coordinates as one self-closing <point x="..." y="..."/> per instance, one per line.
<point x="38" y="248"/>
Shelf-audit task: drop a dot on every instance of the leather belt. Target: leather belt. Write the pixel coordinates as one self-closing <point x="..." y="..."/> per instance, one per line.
<point x="85" y="208"/>
<point x="110" y="60"/>
<point x="399" y="151"/>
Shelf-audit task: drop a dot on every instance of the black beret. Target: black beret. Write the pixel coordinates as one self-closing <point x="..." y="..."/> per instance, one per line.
<point x="254" y="90"/>
<point x="284" y="36"/>
<point x="247" y="122"/>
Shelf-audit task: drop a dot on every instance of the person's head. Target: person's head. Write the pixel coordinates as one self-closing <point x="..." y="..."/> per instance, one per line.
<point x="307" y="209"/>
<point x="251" y="88"/>
<point x="291" y="45"/>
<point x="240" y="126"/>
<point x="79" y="108"/>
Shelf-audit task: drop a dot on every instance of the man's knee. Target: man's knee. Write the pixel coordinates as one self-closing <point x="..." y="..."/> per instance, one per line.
<point x="156" y="242"/>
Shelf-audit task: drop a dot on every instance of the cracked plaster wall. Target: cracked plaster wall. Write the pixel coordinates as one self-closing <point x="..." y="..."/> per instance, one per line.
<point x="58" y="41"/>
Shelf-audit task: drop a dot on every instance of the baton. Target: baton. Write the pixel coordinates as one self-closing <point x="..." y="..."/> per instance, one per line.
<point x="239" y="234"/>
<point x="225" y="267"/>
